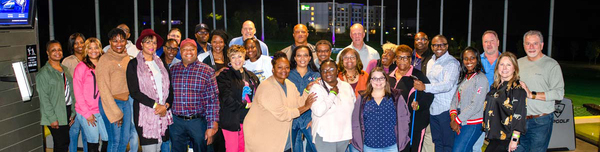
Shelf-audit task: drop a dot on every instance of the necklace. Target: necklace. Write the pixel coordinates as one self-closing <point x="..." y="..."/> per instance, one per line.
<point x="351" y="78"/>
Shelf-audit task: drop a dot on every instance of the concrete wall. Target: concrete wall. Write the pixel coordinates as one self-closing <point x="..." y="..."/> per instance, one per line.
<point x="20" y="129"/>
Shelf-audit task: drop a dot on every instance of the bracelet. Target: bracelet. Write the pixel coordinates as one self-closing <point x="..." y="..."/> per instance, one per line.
<point x="516" y="136"/>
<point x="305" y="90"/>
<point x="154" y="106"/>
<point x="418" y="107"/>
<point x="334" y="93"/>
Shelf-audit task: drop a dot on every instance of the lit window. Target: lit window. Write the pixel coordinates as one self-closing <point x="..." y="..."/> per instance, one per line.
<point x="312" y="8"/>
<point x="312" y="13"/>
<point x="312" y="18"/>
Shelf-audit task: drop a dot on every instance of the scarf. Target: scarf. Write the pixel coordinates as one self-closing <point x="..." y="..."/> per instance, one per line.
<point x="153" y="126"/>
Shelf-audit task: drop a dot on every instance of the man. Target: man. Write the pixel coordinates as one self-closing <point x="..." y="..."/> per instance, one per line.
<point x="55" y="89"/>
<point x="543" y="81"/>
<point x="116" y="108"/>
<point x="491" y="53"/>
<point x="367" y="53"/>
<point x="196" y="104"/>
<point x="323" y="51"/>
<point x="248" y="31"/>
<point x="421" y="54"/>
<point x="443" y="71"/>
<point x="300" y="38"/>
<point x="130" y="48"/>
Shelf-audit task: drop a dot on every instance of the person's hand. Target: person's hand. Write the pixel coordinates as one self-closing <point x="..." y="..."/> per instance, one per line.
<point x="310" y="100"/>
<point x="160" y="110"/>
<point x="419" y="85"/>
<point x="415" y="105"/>
<point x="248" y="105"/>
<point x="312" y="83"/>
<point x="335" y="88"/>
<point x="220" y="70"/>
<point x="91" y="121"/>
<point x="54" y="125"/>
<point x="454" y="126"/>
<point x="119" y="122"/>
<point x="309" y="124"/>
<point x="524" y="86"/>
<point x="71" y="121"/>
<point x="209" y="134"/>
<point x="512" y="146"/>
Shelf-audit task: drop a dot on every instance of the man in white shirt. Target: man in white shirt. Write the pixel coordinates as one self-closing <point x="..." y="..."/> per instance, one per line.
<point x="367" y="53"/>
<point x="132" y="51"/>
<point x="248" y="31"/>
<point x="442" y="71"/>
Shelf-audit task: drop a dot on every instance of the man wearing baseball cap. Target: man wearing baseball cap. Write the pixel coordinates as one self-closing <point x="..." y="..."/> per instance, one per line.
<point x="202" y="34"/>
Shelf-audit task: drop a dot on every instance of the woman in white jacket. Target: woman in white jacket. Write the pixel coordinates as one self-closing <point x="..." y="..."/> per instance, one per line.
<point x="332" y="111"/>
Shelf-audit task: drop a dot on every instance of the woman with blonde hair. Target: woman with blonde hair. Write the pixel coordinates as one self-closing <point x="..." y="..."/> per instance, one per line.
<point x="504" y="116"/>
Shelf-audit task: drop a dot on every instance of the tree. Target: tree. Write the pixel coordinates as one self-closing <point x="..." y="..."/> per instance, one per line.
<point x="574" y="49"/>
<point x="592" y="51"/>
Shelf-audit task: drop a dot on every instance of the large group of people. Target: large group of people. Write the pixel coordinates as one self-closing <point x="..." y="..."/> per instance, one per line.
<point x="216" y="93"/>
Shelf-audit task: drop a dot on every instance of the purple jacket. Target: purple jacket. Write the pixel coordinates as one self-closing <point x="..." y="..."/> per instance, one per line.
<point x="402" y="115"/>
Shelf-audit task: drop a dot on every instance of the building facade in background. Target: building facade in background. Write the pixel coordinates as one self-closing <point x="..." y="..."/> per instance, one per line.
<point x="320" y="16"/>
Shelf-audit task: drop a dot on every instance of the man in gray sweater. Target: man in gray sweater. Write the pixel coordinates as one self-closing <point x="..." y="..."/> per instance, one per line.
<point x="543" y="81"/>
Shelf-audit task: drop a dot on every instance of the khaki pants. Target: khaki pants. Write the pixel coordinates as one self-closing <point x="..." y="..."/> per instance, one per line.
<point x="428" y="145"/>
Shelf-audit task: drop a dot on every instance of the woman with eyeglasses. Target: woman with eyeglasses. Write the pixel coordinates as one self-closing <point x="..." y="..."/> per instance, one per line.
<point x="419" y="101"/>
<point x="332" y="111"/>
<point x="380" y="117"/>
<point x="504" y="116"/>
<point x="350" y="70"/>
<point x="387" y="59"/>
<point x="466" y="108"/>
<point x="171" y="49"/>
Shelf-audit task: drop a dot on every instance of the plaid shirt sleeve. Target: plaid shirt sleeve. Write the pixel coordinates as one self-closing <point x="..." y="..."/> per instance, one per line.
<point x="212" y="105"/>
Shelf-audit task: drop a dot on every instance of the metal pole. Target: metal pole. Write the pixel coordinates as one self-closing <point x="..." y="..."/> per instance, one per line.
<point x="398" y="25"/>
<point x="152" y="14"/>
<point x="505" y="26"/>
<point x="170" y="15"/>
<point x="262" y="20"/>
<point x="333" y="23"/>
<point x="186" y="18"/>
<point x="51" y="19"/>
<point x="418" y="15"/>
<point x="214" y="15"/>
<point x="381" y="24"/>
<point x="135" y="19"/>
<point x="441" y="17"/>
<point x="470" y="22"/>
<point x="367" y="27"/>
<point x="298" y="10"/>
<point x="551" y="28"/>
<point x="200" y="11"/>
<point x="225" y="13"/>
<point x="97" y="16"/>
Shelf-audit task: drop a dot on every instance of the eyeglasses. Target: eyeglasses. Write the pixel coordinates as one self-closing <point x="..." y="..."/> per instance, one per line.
<point x="378" y="79"/>
<point x="202" y="32"/>
<point x="172" y="48"/>
<point x="403" y="58"/>
<point x="421" y="39"/>
<point x="330" y="70"/>
<point x="349" y="58"/>
<point x="322" y="51"/>
<point x="439" y="45"/>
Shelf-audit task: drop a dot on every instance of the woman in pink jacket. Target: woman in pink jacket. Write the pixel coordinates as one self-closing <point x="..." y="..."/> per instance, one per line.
<point x="88" y="97"/>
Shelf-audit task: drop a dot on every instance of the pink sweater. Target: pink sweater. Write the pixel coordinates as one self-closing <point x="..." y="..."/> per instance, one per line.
<point x="86" y="91"/>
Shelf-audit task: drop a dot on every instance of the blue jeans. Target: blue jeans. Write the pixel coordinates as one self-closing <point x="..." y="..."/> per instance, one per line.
<point x="479" y="143"/>
<point x="134" y="142"/>
<point x="118" y="136"/>
<point x="93" y="133"/>
<point x="74" y="131"/>
<point x="392" y="148"/>
<point x="165" y="146"/>
<point x="182" y="131"/>
<point x="469" y="134"/>
<point x="310" y="146"/>
<point x="538" y="134"/>
<point x="441" y="133"/>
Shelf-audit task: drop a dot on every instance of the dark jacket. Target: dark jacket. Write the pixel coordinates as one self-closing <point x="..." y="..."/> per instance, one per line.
<point x="405" y="85"/>
<point x="402" y="116"/>
<point x="233" y="110"/>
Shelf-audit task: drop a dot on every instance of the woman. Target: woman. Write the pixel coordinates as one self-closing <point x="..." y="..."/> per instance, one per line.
<point x="76" y="46"/>
<point x="466" y="108"/>
<point x="403" y="78"/>
<point x="237" y="87"/>
<point x="171" y="49"/>
<point x="303" y="72"/>
<point x="217" y="57"/>
<point x="275" y="104"/>
<point x="332" y="111"/>
<point x="174" y="34"/>
<point x="149" y="86"/>
<point x="505" y="106"/>
<point x="387" y="58"/>
<point x="256" y="62"/>
<point x="86" y="93"/>
<point x="351" y="70"/>
<point x="380" y="117"/>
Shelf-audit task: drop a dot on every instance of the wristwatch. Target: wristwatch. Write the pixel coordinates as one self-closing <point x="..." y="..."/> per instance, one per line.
<point x="515" y="139"/>
<point x="533" y="94"/>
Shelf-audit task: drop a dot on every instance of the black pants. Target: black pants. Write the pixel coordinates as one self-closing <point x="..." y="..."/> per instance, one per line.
<point x="60" y="136"/>
<point x="497" y="145"/>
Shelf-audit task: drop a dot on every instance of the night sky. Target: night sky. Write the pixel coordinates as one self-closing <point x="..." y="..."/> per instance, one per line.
<point x="575" y="21"/>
